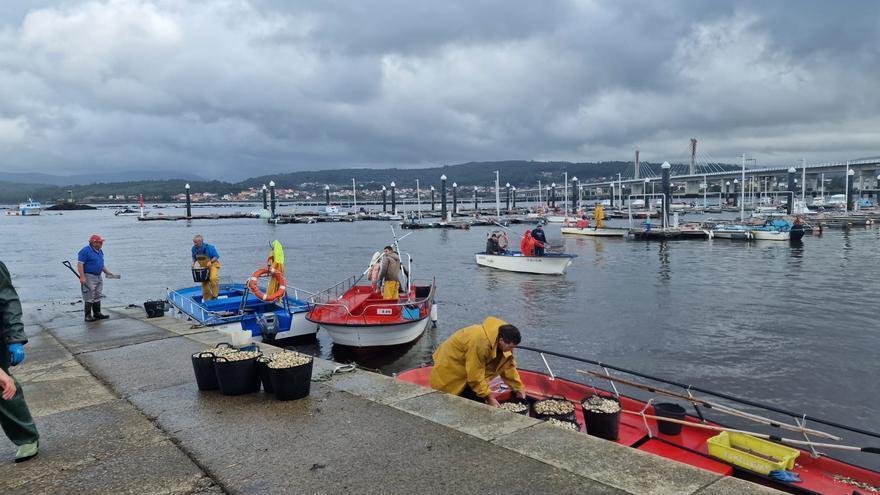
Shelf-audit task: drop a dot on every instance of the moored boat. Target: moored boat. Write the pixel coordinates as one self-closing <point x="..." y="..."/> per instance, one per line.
<point x="596" y="231"/>
<point x="354" y="313"/>
<point x="237" y="307"/>
<point x="646" y="425"/>
<point x="514" y="261"/>
<point x="30" y="209"/>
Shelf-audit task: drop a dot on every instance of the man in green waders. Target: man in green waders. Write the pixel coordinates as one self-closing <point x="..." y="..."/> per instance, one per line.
<point x="15" y="418"/>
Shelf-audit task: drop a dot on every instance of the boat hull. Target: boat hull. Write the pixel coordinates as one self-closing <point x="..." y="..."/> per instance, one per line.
<point x="376" y="335"/>
<point x="595" y="232"/>
<point x="770" y="235"/>
<point x="549" y="264"/>
<point x="738" y="235"/>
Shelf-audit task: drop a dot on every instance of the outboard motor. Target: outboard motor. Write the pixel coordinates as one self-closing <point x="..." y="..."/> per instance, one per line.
<point x="268" y="324"/>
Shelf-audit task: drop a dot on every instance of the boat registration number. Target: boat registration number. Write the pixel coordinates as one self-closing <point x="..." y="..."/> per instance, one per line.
<point x="383" y="311"/>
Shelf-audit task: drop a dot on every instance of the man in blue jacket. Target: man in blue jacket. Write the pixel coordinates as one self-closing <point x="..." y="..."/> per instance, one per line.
<point x="15" y="417"/>
<point x="90" y="267"/>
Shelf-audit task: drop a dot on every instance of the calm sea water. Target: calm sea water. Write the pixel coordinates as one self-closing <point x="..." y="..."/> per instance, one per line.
<point x="792" y="326"/>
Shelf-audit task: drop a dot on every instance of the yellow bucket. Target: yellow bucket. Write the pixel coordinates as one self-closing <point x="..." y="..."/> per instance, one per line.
<point x="751" y="453"/>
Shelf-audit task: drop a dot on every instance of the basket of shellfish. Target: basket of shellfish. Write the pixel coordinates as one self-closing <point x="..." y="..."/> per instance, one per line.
<point x="602" y="415"/>
<point x="516" y="405"/>
<point x="564" y="424"/>
<point x="290" y="373"/>
<point x="237" y="372"/>
<point x="554" y="408"/>
<point x="203" y="365"/>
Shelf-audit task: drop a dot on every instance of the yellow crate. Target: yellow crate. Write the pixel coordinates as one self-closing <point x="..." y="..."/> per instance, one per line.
<point x="734" y="448"/>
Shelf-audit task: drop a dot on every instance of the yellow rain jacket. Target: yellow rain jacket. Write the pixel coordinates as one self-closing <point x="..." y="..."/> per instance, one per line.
<point x="471" y="357"/>
<point x="276" y="260"/>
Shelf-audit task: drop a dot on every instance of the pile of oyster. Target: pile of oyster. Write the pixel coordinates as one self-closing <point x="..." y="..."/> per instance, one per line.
<point x="516" y="407"/>
<point x="568" y="425"/>
<point x="554" y="407"/>
<point x="602" y="405"/>
<point x="288" y="359"/>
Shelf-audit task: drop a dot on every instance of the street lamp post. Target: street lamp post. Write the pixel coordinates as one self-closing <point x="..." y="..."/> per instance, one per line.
<point x="327" y="195"/>
<point x="265" y="204"/>
<point x="272" y="198"/>
<point x="443" y="196"/>
<point x="849" y="189"/>
<point x="354" y="196"/>
<point x="393" y="198"/>
<point x="418" y="200"/>
<point x="454" y="198"/>
<point x="507" y="196"/>
<point x="577" y="194"/>
<point x="188" y="202"/>
<point x="735" y="197"/>
<point x="432" y="199"/>
<point x="791" y="189"/>
<point x="384" y="200"/>
<point x="513" y="191"/>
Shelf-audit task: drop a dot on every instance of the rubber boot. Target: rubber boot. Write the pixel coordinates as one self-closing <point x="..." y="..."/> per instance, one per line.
<point x="96" y="310"/>
<point x="88" y="311"/>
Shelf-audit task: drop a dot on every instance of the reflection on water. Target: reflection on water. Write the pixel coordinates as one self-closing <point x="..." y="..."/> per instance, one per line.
<point x="790" y="324"/>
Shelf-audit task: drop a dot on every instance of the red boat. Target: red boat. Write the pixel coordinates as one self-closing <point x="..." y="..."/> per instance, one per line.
<point x="354" y="314"/>
<point x="639" y="429"/>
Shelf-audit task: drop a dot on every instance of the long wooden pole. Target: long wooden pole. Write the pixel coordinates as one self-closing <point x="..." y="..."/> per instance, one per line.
<point x="711" y="405"/>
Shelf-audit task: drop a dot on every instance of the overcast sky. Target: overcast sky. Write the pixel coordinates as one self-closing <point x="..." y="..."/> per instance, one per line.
<point x="237" y="88"/>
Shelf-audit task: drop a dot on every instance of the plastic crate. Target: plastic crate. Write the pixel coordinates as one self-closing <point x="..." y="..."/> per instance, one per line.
<point x="739" y="449"/>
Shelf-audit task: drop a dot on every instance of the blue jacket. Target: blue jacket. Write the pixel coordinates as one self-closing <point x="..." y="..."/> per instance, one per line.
<point x="206" y="250"/>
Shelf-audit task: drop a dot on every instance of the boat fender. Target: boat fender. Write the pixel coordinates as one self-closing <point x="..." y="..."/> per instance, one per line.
<point x="434" y="313"/>
<point x="279" y="278"/>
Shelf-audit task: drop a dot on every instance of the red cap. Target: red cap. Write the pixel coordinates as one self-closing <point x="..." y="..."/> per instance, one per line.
<point x="96" y="238"/>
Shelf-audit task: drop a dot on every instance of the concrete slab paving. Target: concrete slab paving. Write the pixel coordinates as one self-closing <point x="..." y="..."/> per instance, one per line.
<point x="145" y="366"/>
<point x="378" y="388"/>
<point x="607" y="462"/>
<point x="465" y="415"/>
<point x="107" y="334"/>
<point x="334" y="442"/>
<point x="111" y="438"/>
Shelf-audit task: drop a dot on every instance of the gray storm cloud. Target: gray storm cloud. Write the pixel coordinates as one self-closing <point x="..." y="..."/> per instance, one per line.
<point x="236" y="88"/>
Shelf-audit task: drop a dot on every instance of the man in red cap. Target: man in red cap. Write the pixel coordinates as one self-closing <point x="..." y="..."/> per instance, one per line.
<point x="90" y="268"/>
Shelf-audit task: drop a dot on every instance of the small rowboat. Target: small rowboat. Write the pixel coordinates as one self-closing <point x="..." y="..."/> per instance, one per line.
<point x="640" y="428"/>
<point x="514" y="261"/>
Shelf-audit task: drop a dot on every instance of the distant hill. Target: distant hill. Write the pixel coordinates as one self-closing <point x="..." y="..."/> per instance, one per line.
<point x="82" y="179"/>
<point x="519" y="173"/>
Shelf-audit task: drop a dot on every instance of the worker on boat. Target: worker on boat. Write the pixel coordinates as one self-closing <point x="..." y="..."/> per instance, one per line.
<point x="527" y="244"/>
<point x="582" y="223"/>
<point x="540" y="238"/>
<point x="472" y="357"/>
<point x="389" y="273"/>
<point x="492" y="246"/>
<point x="276" y="264"/>
<point x="205" y="255"/>
<point x="15" y="417"/>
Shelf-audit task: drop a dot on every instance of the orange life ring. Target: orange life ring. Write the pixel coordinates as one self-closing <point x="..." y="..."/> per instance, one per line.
<point x="279" y="278"/>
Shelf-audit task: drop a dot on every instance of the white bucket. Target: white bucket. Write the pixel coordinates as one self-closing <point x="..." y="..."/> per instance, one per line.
<point x="236" y="337"/>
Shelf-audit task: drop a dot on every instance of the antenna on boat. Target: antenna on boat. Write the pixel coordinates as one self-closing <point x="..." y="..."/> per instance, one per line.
<point x="396" y="242"/>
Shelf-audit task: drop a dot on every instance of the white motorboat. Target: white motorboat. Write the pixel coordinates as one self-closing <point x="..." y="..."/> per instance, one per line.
<point x="514" y="261"/>
<point x="559" y="219"/>
<point x="770" y="235"/>
<point x="596" y="231"/>
<point x="734" y="232"/>
<point x="31" y="208"/>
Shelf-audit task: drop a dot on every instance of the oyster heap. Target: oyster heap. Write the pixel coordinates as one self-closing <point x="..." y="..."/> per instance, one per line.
<point x="516" y="407"/>
<point x="241" y="355"/>
<point x="217" y="351"/>
<point x="554" y="407"/>
<point x="288" y="359"/>
<point x="568" y="425"/>
<point x="603" y="405"/>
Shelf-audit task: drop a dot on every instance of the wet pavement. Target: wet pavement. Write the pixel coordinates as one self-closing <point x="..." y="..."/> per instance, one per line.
<point x="119" y="412"/>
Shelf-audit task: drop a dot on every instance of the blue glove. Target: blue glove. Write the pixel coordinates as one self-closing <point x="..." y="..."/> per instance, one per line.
<point x="16" y="353"/>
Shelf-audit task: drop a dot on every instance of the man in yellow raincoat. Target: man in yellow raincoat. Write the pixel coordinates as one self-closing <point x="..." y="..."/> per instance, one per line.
<point x="473" y="356"/>
<point x="276" y="263"/>
<point x="205" y="255"/>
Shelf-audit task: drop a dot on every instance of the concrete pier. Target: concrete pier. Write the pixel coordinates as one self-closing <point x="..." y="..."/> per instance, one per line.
<point x="119" y="412"/>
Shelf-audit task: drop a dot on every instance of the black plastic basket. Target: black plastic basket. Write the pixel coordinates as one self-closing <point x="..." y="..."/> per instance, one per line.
<point x="203" y="366"/>
<point x="263" y="371"/>
<point x="672" y="411"/>
<point x="603" y="425"/>
<point x="292" y="383"/>
<point x="202" y="274"/>
<point x="237" y="377"/>
<point x="154" y="309"/>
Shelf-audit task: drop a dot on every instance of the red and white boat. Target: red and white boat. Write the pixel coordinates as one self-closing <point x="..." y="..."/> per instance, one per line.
<point x="355" y="314"/>
<point x="639" y="429"/>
